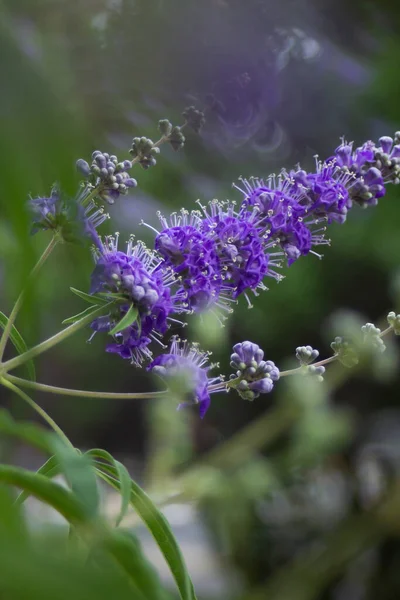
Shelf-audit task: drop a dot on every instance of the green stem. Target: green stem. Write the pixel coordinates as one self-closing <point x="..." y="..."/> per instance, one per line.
<point x="299" y="370"/>
<point x="321" y="363"/>
<point x="20" y="299"/>
<point x="37" y="408"/>
<point x="41" y="387"/>
<point x="53" y="341"/>
<point x="156" y="144"/>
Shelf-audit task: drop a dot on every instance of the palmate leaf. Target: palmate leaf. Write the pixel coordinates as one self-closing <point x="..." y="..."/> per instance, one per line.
<point x="153" y="519"/>
<point x="127" y="320"/>
<point x="19" y="344"/>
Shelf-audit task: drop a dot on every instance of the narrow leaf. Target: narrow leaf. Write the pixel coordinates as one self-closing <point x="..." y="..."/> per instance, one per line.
<point x="92" y="299"/>
<point x="19" y="344"/>
<point x="127" y="320"/>
<point x="113" y="296"/>
<point x="153" y="519"/>
<point x="53" y="494"/>
<point x="50" y="469"/>
<point x="80" y="474"/>
<point x="125" y="490"/>
<point x="125" y="549"/>
<point x="85" y="312"/>
<point x="32" y="434"/>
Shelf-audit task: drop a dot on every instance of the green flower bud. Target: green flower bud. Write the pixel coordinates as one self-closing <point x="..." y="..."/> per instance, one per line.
<point x="164" y="127"/>
<point x="346" y="354"/>
<point x="176" y="138"/>
<point x="394" y="321"/>
<point x="194" y="118"/>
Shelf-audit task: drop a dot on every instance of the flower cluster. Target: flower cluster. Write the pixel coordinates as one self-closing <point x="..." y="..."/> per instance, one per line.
<point x="186" y="366"/>
<point x="207" y="258"/>
<point x="134" y="279"/>
<point x="71" y="218"/>
<point x="254" y="376"/>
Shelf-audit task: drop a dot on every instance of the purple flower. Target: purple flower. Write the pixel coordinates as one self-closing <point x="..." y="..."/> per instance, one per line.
<point x="186" y="365"/>
<point x="192" y="257"/>
<point x="283" y="205"/>
<point x="46" y="210"/>
<point x="372" y="166"/>
<point x="71" y="218"/>
<point x="241" y="243"/>
<point x="133" y="275"/>
<point x="325" y="191"/>
<point x="254" y="376"/>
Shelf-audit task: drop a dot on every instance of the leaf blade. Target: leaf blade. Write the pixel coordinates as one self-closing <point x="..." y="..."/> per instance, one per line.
<point x="127" y="320"/>
<point x="49" y="469"/>
<point x="78" y="316"/>
<point x="53" y="494"/>
<point x="92" y="299"/>
<point x="155" y="521"/>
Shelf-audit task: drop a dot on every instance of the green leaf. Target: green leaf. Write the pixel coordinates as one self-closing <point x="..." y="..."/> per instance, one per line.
<point x="125" y="549"/>
<point x="32" y="434"/>
<point x="113" y="296"/>
<point x="53" y="494"/>
<point x="92" y="299"/>
<point x="80" y="474"/>
<point x="125" y="490"/>
<point x="85" y="312"/>
<point x="19" y="344"/>
<point x="153" y="519"/>
<point x="50" y="469"/>
<point x="127" y="320"/>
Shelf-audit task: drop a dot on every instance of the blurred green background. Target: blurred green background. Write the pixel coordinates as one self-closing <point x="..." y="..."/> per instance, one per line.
<point x="282" y="81"/>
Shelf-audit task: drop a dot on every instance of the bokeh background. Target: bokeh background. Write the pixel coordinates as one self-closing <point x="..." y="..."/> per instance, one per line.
<point x="280" y="82"/>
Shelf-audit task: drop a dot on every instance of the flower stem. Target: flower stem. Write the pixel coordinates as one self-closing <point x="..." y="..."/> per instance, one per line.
<point x="53" y="341"/>
<point x="20" y="299"/>
<point x="299" y="370"/>
<point x="4" y="381"/>
<point x="83" y="393"/>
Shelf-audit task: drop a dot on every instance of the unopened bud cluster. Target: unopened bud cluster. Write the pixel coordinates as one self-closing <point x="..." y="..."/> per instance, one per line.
<point x="108" y="175"/>
<point x="394" y="322"/>
<point x="254" y="376"/>
<point x="345" y="352"/>
<point x="372" y="339"/>
<point x="307" y="355"/>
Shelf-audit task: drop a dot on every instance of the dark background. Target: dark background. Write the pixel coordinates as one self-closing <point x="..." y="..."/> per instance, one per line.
<point x="282" y="82"/>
